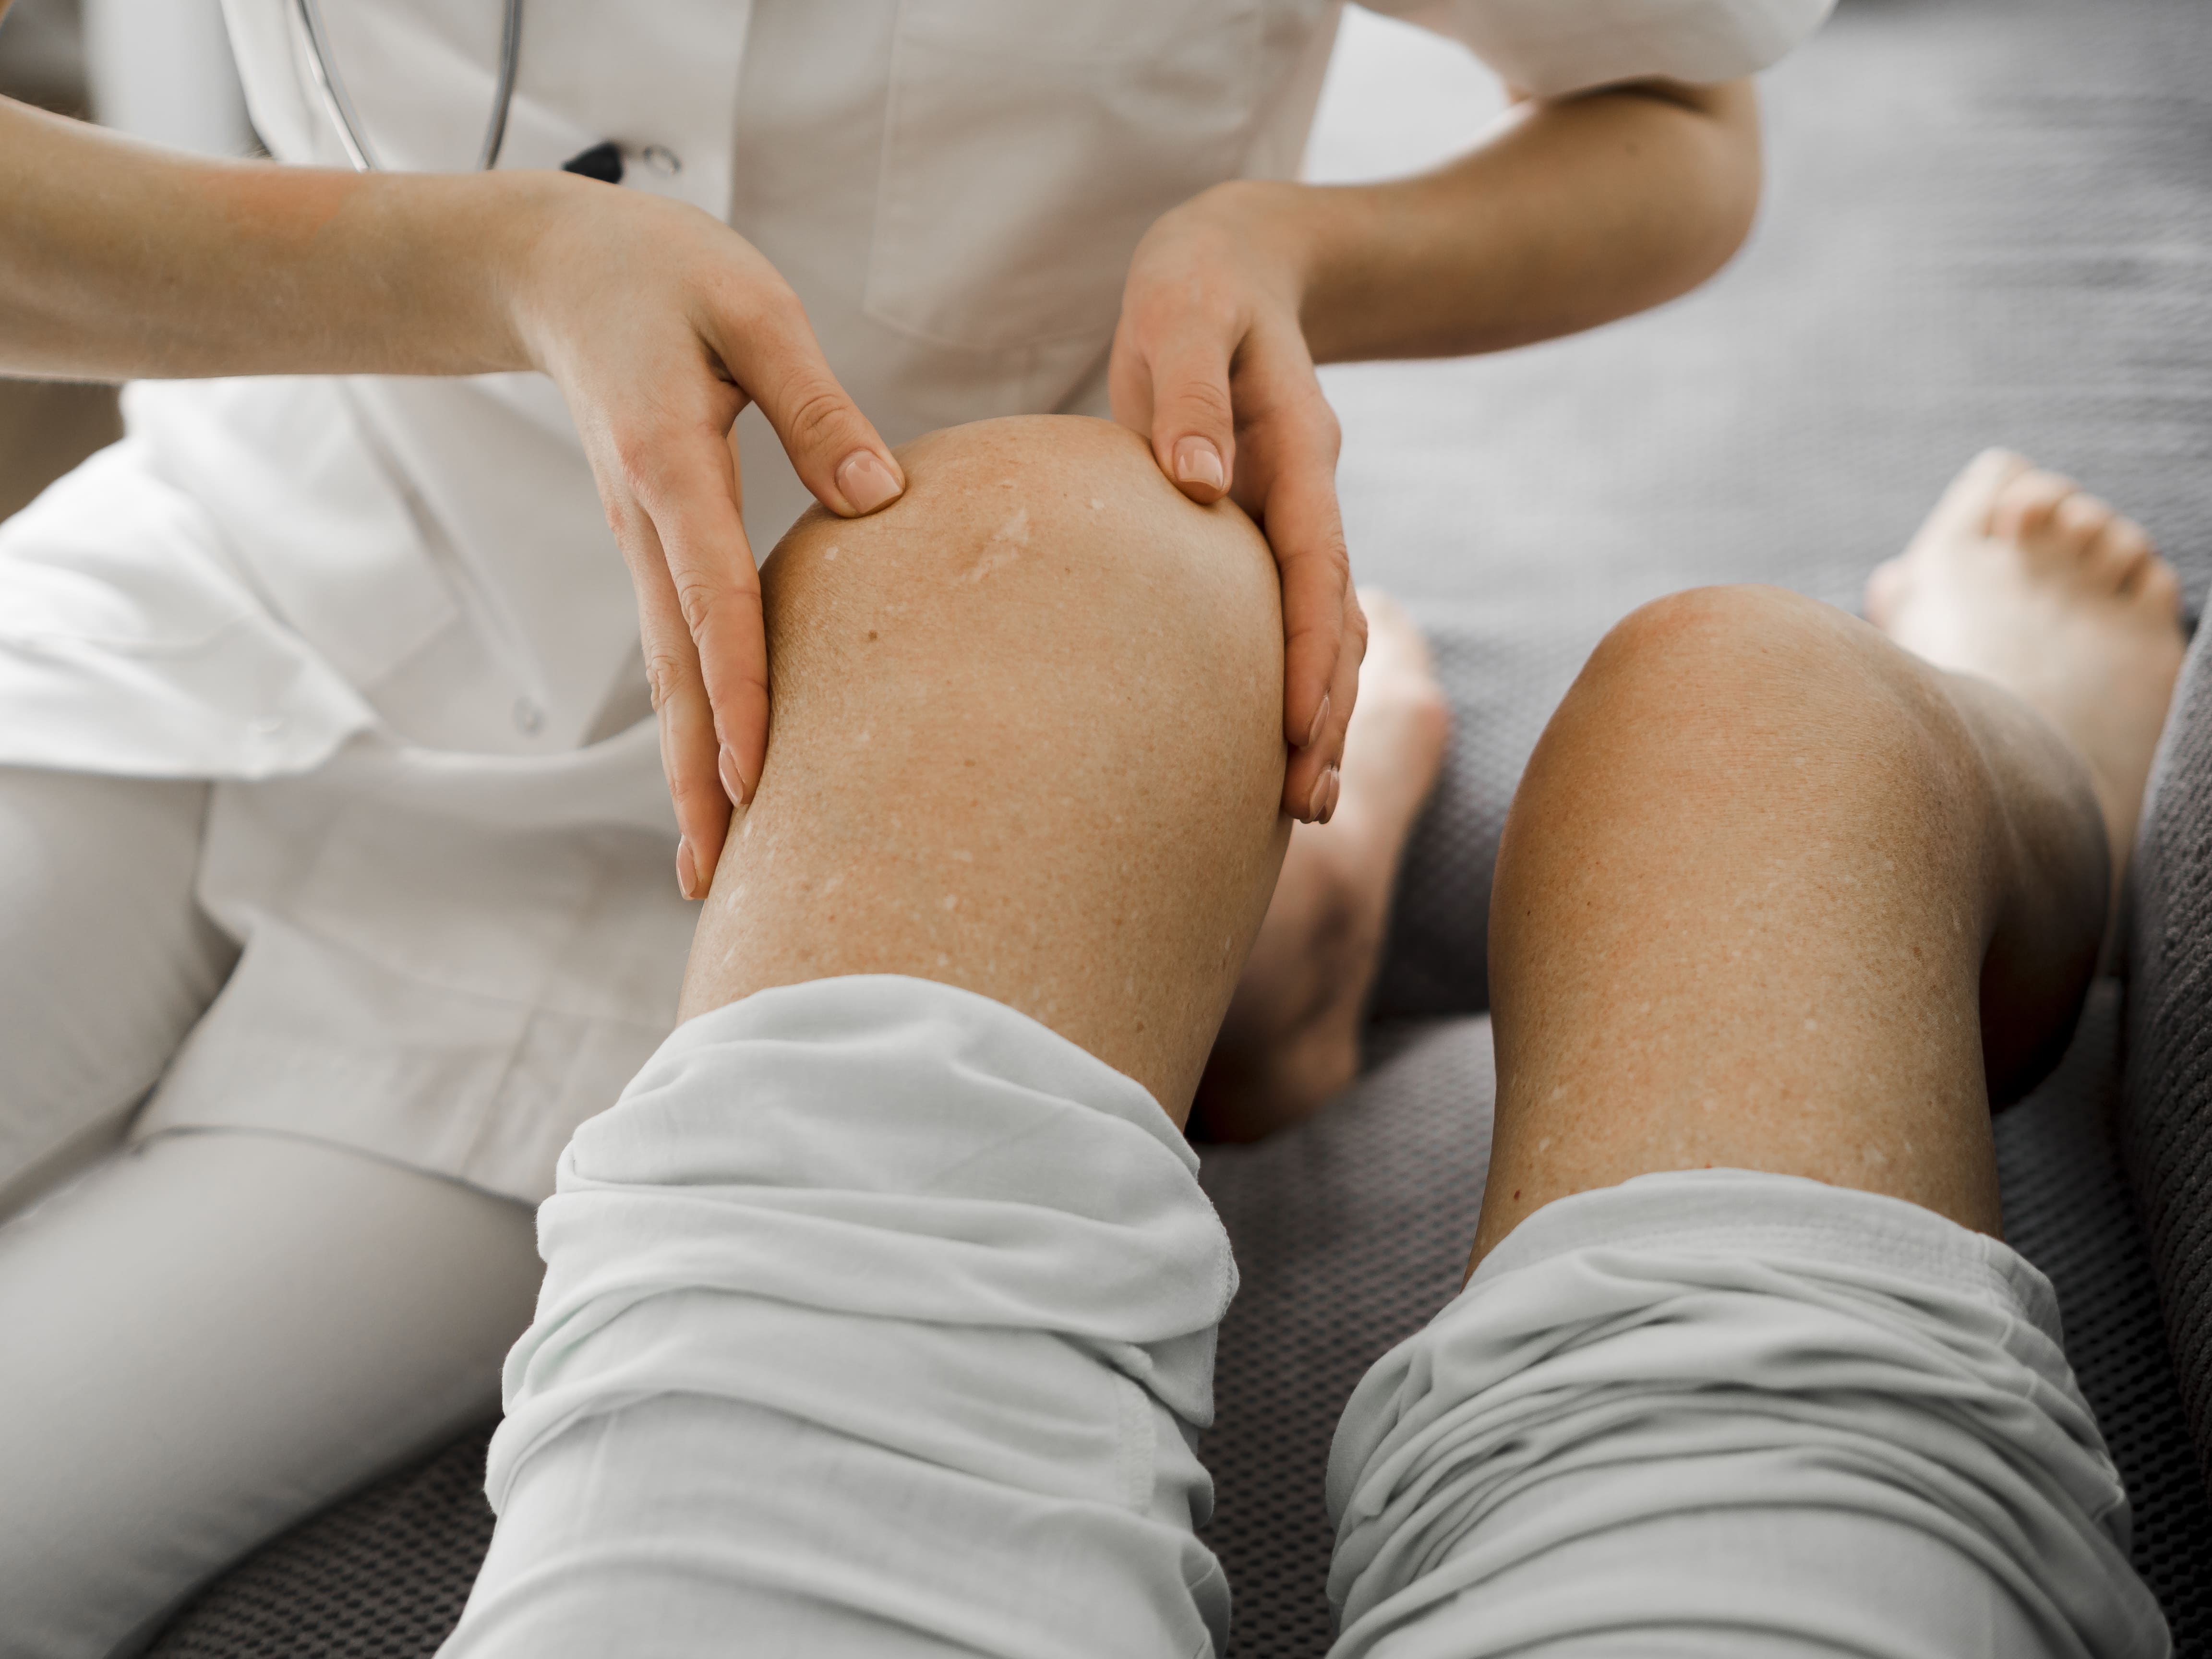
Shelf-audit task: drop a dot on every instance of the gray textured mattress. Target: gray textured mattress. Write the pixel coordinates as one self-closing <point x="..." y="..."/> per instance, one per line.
<point x="1989" y="220"/>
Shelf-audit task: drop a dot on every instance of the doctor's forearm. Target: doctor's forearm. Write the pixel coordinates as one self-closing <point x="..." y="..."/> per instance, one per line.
<point x="118" y="260"/>
<point x="1575" y="212"/>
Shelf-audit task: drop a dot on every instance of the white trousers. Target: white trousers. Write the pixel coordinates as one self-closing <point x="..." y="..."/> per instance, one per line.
<point x="878" y="1320"/>
<point x="208" y="1336"/>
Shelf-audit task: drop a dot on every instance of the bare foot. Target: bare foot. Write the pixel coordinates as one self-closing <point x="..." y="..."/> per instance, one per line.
<point x="2021" y="578"/>
<point x="1292" y="1036"/>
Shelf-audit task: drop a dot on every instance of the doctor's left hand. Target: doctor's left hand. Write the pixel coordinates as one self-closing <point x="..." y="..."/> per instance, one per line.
<point x="660" y="323"/>
<point x="1210" y="363"/>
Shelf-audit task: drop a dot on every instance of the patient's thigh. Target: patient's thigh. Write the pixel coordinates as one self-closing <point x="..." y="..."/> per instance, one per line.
<point x="1026" y="740"/>
<point x="105" y="960"/>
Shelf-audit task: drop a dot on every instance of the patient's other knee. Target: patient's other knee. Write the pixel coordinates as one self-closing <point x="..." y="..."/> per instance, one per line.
<point x="1761" y="673"/>
<point x="1719" y="641"/>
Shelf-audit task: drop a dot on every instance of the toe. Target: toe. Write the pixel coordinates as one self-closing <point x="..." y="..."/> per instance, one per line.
<point x="2124" y="549"/>
<point x="2026" y="504"/>
<point x="1397" y="650"/>
<point x="2077" y="526"/>
<point x="2159" y="587"/>
<point x="1384" y="614"/>
<point x="1968" y="498"/>
<point x="1884" y="589"/>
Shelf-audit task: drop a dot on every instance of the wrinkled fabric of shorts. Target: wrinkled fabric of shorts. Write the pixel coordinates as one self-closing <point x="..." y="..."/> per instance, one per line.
<point x="1724" y="1413"/>
<point x="879" y="1320"/>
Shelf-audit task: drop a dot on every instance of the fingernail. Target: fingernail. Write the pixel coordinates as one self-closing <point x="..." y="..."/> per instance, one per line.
<point x="1317" y="802"/>
<point x="687" y="870"/>
<point x="1335" y="775"/>
<point x="866" y="482"/>
<point x="1200" y="463"/>
<point x="734" y="781"/>
<point x="1321" y="719"/>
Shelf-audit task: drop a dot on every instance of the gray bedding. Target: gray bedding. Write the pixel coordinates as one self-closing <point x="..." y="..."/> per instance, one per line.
<point x="2166" y="1108"/>
<point x="1989" y="220"/>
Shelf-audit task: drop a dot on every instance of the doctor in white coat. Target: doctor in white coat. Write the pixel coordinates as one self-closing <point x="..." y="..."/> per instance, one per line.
<point x="335" y="809"/>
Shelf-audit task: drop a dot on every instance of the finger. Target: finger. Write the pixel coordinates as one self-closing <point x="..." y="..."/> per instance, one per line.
<point x="689" y="492"/>
<point x="1128" y="381"/>
<point x="835" y="449"/>
<point x="1316" y="773"/>
<point x="689" y="752"/>
<point x="1320" y="680"/>
<point x="1193" y="427"/>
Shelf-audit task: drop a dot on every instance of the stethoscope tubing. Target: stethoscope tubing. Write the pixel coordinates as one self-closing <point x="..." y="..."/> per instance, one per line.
<point x="330" y="90"/>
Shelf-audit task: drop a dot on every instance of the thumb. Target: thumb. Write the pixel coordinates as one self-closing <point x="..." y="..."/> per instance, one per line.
<point x="835" y="449"/>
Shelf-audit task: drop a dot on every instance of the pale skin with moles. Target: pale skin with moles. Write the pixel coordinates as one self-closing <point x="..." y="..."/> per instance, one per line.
<point x="1777" y="893"/>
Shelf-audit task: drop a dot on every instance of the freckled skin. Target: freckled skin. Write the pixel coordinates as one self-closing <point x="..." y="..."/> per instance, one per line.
<point x="1030" y="720"/>
<point x="1751" y="806"/>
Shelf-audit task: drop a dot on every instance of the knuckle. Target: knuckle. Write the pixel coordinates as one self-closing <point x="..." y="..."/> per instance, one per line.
<point x="621" y="517"/>
<point x="1197" y="313"/>
<point x="753" y="301"/>
<point x="695" y="789"/>
<point x="1185" y="309"/>
<point x="643" y="460"/>
<point x="1324" y="561"/>
<point x="665" y="674"/>
<point x="698" y="598"/>
<point x="1201" y="402"/>
<point x="1327" y="432"/>
<point x="818" y="416"/>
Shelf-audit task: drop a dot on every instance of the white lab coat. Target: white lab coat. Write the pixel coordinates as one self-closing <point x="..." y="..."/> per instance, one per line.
<point x="387" y="614"/>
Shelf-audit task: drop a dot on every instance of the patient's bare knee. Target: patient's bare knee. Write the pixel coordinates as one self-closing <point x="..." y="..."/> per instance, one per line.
<point x="1026" y="740"/>
<point x="1727" y="684"/>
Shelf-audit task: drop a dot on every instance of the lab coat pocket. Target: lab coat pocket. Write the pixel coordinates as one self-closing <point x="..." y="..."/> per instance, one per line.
<point x="1027" y="147"/>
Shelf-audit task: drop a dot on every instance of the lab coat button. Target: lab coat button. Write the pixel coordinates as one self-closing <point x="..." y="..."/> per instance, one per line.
<point x="528" y="718"/>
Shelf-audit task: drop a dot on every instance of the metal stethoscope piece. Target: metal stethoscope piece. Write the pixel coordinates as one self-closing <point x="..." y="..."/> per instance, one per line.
<point x="339" y="108"/>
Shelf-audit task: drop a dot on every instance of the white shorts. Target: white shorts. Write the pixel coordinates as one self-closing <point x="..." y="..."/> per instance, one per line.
<point x="879" y="1320"/>
<point x="1720" y="1412"/>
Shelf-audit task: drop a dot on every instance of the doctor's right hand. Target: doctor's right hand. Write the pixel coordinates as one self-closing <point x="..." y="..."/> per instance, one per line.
<point x="660" y="323"/>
